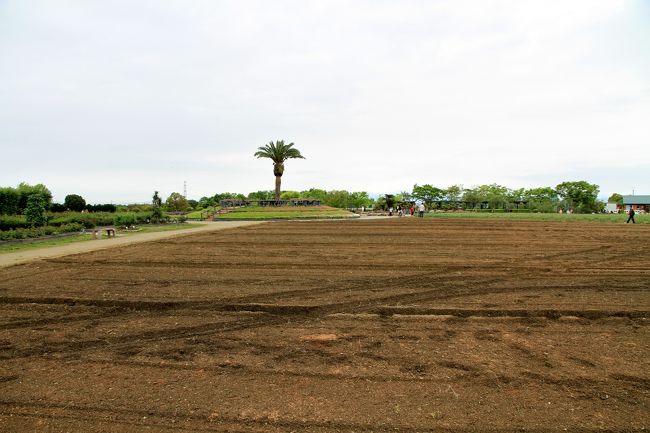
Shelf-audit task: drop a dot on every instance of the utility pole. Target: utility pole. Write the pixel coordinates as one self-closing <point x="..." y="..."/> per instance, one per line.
<point x="185" y="189"/>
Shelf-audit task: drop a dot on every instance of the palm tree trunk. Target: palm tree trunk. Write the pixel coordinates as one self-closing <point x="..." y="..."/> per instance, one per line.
<point x="278" y="181"/>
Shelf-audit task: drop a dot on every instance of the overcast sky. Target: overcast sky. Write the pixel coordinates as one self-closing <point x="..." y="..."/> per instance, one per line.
<point x="115" y="99"/>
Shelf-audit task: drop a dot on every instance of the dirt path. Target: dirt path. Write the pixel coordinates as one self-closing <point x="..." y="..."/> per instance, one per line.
<point x="11" y="259"/>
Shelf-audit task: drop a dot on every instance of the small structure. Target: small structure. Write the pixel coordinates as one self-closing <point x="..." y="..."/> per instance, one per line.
<point x="640" y="203"/>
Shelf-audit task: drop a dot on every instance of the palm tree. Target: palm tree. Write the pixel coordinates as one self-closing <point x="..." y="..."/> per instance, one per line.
<point x="278" y="152"/>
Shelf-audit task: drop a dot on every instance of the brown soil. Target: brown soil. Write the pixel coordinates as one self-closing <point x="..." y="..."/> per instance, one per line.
<point x="393" y="325"/>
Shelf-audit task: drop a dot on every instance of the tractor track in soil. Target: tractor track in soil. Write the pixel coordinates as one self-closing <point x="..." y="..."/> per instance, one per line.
<point x="437" y="324"/>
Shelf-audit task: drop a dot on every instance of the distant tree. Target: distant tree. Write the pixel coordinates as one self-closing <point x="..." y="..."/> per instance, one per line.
<point x="228" y="196"/>
<point x="35" y="210"/>
<point x="260" y="195"/>
<point x="496" y="196"/>
<point x="454" y="193"/>
<point x="406" y="196"/>
<point x="473" y="197"/>
<point x="156" y="208"/>
<point x="615" y="198"/>
<point x="193" y="203"/>
<point x="74" y="202"/>
<point x="99" y="208"/>
<point x="389" y="199"/>
<point x="176" y="203"/>
<point x="288" y="195"/>
<point x="541" y="199"/>
<point x="278" y="152"/>
<point x="57" y="208"/>
<point x="315" y="194"/>
<point x="337" y="198"/>
<point x="359" y="199"/>
<point x="206" y="202"/>
<point x="427" y="193"/>
<point x="579" y="195"/>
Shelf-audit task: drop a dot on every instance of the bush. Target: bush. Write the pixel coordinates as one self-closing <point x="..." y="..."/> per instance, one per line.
<point x="125" y="219"/>
<point x="39" y="231"/>
<point x="88" y="220"/>
<point x="12" y="222"/>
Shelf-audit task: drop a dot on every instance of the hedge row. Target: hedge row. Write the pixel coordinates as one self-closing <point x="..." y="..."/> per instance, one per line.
<point x="87" y="220"/>
<point x="10" y="222"/>
<point x="40" y="231"/>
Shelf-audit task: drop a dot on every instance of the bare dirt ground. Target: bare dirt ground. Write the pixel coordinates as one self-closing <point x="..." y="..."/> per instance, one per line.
<point x="392" y="325"/>
<point x="25" y="256"/>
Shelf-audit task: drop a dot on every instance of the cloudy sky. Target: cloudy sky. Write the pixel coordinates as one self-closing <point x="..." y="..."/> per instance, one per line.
<point x="115" y="99"/>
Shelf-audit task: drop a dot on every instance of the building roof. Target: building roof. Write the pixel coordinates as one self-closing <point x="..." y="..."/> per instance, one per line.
<point x="636" y="199"/>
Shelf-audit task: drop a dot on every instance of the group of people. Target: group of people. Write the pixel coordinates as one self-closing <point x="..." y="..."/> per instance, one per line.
<point x="411" y="210"/>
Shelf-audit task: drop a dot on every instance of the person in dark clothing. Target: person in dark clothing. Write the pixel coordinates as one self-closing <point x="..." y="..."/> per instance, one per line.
<point x="631" y="216"/>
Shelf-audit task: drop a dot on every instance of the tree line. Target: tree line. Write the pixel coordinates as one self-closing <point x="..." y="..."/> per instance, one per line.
<point x="578" y="196"/>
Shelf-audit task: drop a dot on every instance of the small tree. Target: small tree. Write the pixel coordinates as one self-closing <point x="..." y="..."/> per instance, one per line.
<point x="74" y="202"/>
<point x="156" y="209"/>
<point x="176" y="203"/>
<point x="580" y="194"/>
<point x="615" y="198"/>
<point x="35" y="210"/>
<point x="427" y="193"/>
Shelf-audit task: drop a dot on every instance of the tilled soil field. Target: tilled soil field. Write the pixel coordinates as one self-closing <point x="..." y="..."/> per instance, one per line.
<point x="392" y="325"/>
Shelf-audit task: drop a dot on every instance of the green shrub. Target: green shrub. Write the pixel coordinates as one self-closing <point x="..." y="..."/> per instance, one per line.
<point x="125" y="219"/>
<point x="88" y="220"/>
<point x="11" y="222"/>
<point x="35" y="232"/>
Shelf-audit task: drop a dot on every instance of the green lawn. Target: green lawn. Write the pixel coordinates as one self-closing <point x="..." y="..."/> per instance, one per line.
<point x="46" y="243"/>
<point x="285" y="212"/>
<point x="610" y="218"/>
<point x="201" y="213"/>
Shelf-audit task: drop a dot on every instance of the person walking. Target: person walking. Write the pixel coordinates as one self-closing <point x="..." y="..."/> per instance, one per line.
<point x="631" y="216"/>
<point x="421" y="210"/>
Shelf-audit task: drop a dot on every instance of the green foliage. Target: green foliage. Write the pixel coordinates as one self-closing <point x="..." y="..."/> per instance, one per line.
<point x="579" y="195"/>
<point x="615" y="198"/>
<point x="227" y="196"/>
<point x="57" y="208"/>
<point x="454" y="193"/>
<point x="288" y="195"/>
<point x="88" y="220"/>
<point x="125" y="219"/>
<point x="101" y="208"/>
<point x="427" y="193"/>
<point x="35" y="210"/>
<point x="40" y="231"/>
<point x="338" y="199"/>
<point x="176" y="203"/>
<point x="260" y="195"/>
<point x="9" y="201"/>
<point x="278" y="152"/>
<point x="74" y="202"/>
<point x="156" y="210"/>
<point x="11" y="222"/>
<point x="359" y="199"/>
<point x="25" y="190"/>
<point x="315" y="193"/>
